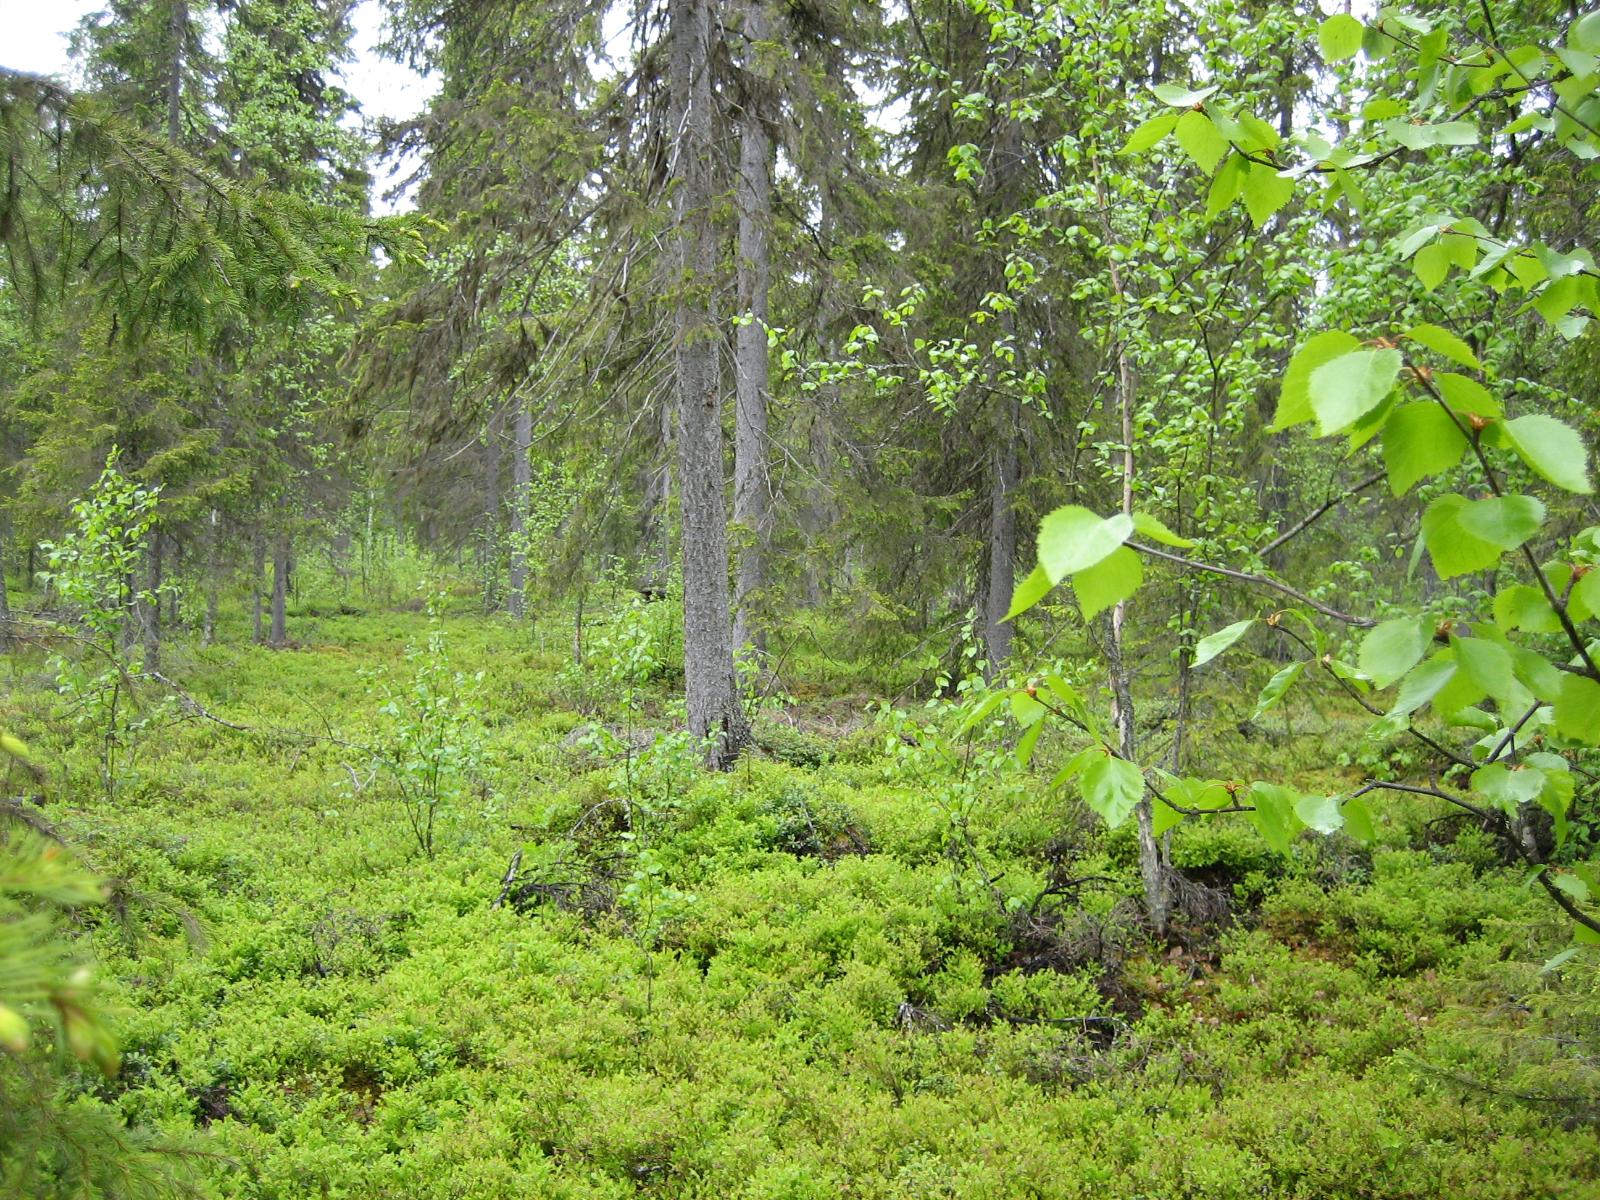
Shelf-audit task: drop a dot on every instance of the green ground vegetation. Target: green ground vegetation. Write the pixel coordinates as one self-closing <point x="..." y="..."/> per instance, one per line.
<point x="877" y="959"/>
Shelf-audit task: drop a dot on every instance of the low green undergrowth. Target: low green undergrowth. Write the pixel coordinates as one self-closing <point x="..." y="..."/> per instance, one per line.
<point x="833" y="971"/>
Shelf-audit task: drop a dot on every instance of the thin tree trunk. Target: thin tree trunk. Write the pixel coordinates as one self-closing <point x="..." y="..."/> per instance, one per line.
<point x="521" y="485"/>
<point x="149" y="610"/>
<point x="177" y="27"/>
<point x="1006" y="431"/>
<point x="1187" y="614"/>
<point x="212" y="569"/>
<point x="259" y="564"/>
<point x="577" y="632"/>
<point x="710" y="694"/>
<point x="1153" y="869"/>
<point x="751" y="479"/>
<point x="489" y="544"/>
<point x="5" y="599"/>
<point x="175" y="569"/>
<point x="1002" y="583"/>
<point x="821" y="497"/>
<point x="280" y="591"/>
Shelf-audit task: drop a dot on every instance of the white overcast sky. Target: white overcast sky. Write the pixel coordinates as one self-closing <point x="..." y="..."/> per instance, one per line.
<point x="33" y="37"/>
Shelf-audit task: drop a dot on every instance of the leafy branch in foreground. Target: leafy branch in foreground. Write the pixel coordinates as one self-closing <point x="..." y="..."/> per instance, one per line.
<point x="50" y="1018"/>
<point x="1514" y="686"/>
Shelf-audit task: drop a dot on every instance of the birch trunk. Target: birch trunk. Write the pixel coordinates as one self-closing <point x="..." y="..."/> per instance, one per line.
<point x="521" y="484"/>
<point x="280" y="591"/>
<point x="1002" y="538"/>
<point x="1153" y="870"/>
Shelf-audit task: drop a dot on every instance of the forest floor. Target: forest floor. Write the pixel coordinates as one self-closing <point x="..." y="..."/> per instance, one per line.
<point x="853" y="966"/>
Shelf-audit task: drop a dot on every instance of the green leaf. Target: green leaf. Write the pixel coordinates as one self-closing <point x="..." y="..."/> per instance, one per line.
<point x="1339" y="37"/>
<point x="1263" y="135"/>
<point x="15" y="747"/>
<point x="1577" y="710"/>
<point x="1559" y="788"/>
<point x="1432" y="264"/>
<point x="1072" y="539"/>
<point x="1505" y="521"/>
<point x="1149" y="133"/>
<point x="1110" y="581"/>
<point x="1164" y="817"/>
<point x="1265" y="192"/>
<point x="1277" y="688"/>
<point x="1470" y="535"/>
<point x="1585" y="33"/>
<point x="1226" y="186"/>
<point x="1068" y="697"/>
<point x="1421" y="137"/>
<point x="1206" y="794"/>
<point x="1077" y="764"/>
<point x="1444" y="343"/>
<point x="1274" y="816"/>
<point x="990" y="702"/>
<point x="1523" y="606"/>
<point x="1552" y="449"/>
<point x="1214" y="644"/>
<point x="1358" y="822"/>
<point x="1459" y="693"/>
<point x="1200" y="140"/>
<point x="1586" y="592"/>
<point x="1420" y="440"/>
<point x="1034" y="588"/>
<point x="1112" y="787"/>
<point x="1294" y="399"/>
<point x="1423" y="684"/>
<point x="1177" y="97"/>
<point x="1465" y="395"/>
<point x="1419" y="236"/>
<point x="1558" y="961"/>
<point x="1376" y="43"/>
<point x="1506" y="789"/>
<point x="1488" y="665"/>
<point x="1351" y="385"/>
<point x="1321" y="813"/>
<point x="1391" y="649"/>
<point x="1027" y="742"/>
<point x="1027" y="711"/>
<point x="1541" y="677"/>
<point x="1473" y="717"/>
<point x="1147" y="526"/>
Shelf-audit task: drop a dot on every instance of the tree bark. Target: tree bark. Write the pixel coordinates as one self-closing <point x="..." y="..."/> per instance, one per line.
<point x="489" y="544"/>
<point x="177" y="29"/>
<point x="149" y="610"/>
<point x="280" y="591"/>
<point x="1005" y="429"/>
<point x="1153" y="869"/>
<point x="5" y="598"/>
<point x="751" y="478"/>
<point x="521" y="485"/>
<point x="259" y="564"/>
<point x="710" y="693"/>
<point x="1005" y="477"/>
<point x="212" y="568"/>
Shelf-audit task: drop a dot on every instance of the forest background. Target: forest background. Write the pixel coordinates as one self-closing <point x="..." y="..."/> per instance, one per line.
<point x="893" y="410"/>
